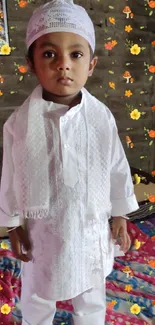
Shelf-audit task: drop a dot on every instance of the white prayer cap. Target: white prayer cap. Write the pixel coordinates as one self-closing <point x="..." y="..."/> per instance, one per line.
<point x="60" y="16"/>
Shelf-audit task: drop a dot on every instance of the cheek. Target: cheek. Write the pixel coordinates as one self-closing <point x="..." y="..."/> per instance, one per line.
<point x="84" y="70"/>
<point x="42" y="69"/>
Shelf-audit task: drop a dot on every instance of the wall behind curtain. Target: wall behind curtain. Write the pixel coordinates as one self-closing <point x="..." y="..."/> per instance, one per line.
<point x="124" y="78"/>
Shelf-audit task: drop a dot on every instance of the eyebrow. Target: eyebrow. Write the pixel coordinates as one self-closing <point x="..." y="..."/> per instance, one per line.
<point x="50" y="44"/>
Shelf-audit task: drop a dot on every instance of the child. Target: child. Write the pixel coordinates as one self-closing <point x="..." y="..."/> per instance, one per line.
<point x="65" y="173"/>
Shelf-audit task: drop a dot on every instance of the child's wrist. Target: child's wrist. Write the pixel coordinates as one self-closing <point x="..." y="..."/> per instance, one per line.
<point x="123" y="217"/>
<point x="11" y="229"/>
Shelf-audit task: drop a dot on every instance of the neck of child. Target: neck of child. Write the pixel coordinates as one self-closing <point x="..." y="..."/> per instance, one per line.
<point x="70" y="100"/>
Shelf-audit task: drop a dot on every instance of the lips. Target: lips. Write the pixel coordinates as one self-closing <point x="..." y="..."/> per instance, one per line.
<point x="65" y="80"/>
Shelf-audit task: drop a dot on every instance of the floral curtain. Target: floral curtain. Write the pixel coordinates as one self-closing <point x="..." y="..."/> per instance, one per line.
<point x="4" y="39"/>
<point x="124" y="78"/>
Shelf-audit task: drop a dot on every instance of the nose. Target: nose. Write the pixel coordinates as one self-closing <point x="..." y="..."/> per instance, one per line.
<point x="63" y="64"/>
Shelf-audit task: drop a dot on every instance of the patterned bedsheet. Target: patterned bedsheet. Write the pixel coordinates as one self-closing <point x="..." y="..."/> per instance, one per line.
<point x="130" y="287"/>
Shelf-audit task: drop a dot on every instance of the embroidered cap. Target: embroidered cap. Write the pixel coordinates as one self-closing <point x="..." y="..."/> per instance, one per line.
<point x="60" y="16"/>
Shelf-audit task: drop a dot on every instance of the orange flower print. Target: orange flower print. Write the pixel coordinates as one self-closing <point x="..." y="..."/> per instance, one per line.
<point x="152" y="68"/>
<point x="153" y="238"/>
<point x="23" y="68"/>
<point x="1" y="15"/>
<point x="114" y="43"/>
<point x="153" y="174"/>
<point x="128" y="28"/>
<point x="152" y="133"/>
<point x="111" y="304"/>
<point x="108" y="46"/>
<point x="153" y="43"/>
<point x="152" y="198"/>
<point x="128" y="288"/>
<point x="153" y="108"/>
<point x="131" y="15"/>
<point x="22" y="3"/>
<point x="112" y="85"/>
<point x="112" y="20"/>
<point x="151" y="4"/>
<point x="128" y="93"/>
<point x="153" y="302"/>
<point x="1" y="93"/>
<point x="152" y="263"/>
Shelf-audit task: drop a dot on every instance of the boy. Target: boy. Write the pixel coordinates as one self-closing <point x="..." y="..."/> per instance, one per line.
<point x="65" y="172"/>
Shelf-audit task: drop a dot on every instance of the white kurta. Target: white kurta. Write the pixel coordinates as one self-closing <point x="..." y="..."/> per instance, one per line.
<point x="89" y="180"/>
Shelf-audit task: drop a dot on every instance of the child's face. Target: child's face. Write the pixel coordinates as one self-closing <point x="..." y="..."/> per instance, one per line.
<point x="62" y="63"/>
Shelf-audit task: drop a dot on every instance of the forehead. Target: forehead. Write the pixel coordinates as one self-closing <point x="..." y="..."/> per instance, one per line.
<point x="62" y="40"/>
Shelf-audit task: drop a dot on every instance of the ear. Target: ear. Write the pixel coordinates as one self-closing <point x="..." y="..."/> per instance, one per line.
<point x="30" y="64"/>
<point x="92" y="66"/>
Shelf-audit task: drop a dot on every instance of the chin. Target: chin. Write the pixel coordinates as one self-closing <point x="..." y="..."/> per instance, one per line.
<point x="64" y="93"/>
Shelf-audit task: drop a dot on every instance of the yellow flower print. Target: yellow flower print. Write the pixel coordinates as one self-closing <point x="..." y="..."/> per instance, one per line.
<point x="128" y="287"/>
<point x="1" y="28"/>
<point x="128" y="28"/>
<point x="137" y="179"/>
<point x="135" y="114"/>
<point x="137" y="244"/>
<point x="114" y="43"/>
<point x="1" y="93"/>
<point x="135" y="309"/>
<point x="4" y="245"/>
<point x="112" y="85"/>
<point x="135" y="49"/>
<point x="114" y="302"/>
<point x="1" y="288"/>
<point x="128" y="93"/>
<point x="5" y="309"/>
<point x="5" y="49"/>
<point x="112" y="20"/>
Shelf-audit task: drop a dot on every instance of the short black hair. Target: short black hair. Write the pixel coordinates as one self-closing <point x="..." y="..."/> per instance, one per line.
<point x="30" y="53"/>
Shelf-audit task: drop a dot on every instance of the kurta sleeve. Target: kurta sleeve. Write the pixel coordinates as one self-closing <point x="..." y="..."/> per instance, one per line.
<point x="123" y="199"/>
<point x="9" y="217"/>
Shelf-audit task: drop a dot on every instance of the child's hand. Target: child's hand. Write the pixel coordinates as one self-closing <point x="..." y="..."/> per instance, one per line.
<point x="120" y="234"/>
<point x="18" y="238"/>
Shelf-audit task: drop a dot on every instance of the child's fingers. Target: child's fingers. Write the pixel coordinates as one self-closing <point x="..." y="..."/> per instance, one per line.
<point x="125" y="242"/>
<point x="115" y="232"/>
<point x="23" y="238"/>
<point x="16" y="247"/>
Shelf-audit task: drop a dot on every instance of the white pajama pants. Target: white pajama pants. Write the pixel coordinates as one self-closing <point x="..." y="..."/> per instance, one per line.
<point x="89" y="309"/>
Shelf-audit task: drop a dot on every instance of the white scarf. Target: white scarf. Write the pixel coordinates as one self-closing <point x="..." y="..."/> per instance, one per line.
<point x="30" y="157"/>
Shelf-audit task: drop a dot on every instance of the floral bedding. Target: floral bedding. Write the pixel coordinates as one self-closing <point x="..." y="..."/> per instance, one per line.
<point x="130" y="286"/>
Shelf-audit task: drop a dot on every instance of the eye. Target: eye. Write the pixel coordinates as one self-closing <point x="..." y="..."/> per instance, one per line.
<point x="49" y="54"/>
<point x="77" y="55"/>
